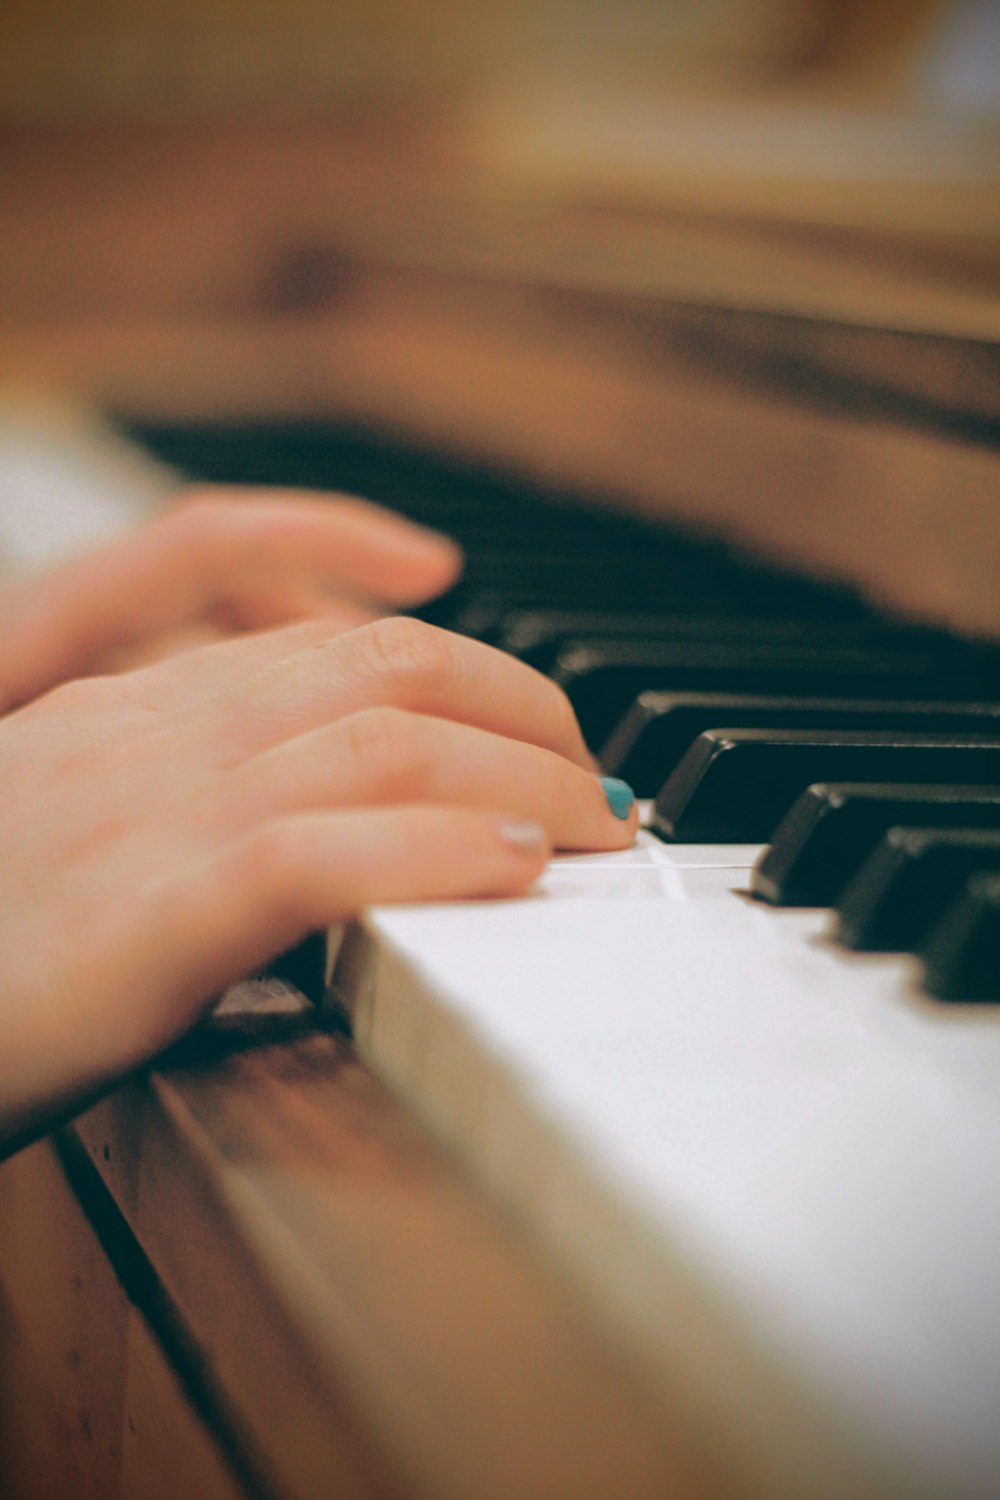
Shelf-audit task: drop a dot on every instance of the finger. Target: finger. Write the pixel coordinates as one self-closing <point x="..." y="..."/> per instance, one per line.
<point x="328" y="617"/>
<point x="157" y="648"/>
<point x="220" y="919"/>
<point x="341" y="541"/>
<point x="385" y="756"/>
<point x="274" y="608"/>
<point x="400" y="663"/>
<point x="202" y="553"/>
<point x="224" y="661"/>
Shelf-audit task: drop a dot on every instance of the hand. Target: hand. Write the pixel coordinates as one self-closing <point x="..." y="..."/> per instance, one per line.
<point x="219" y="562"/>
<point x="171" y="829"/>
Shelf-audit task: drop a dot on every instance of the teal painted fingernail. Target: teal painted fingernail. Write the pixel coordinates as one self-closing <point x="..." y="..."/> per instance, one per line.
<point x="621" y="798"/>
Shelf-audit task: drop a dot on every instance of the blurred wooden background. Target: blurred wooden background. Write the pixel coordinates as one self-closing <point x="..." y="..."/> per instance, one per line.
<point x="737" y="262"/>
<point x="59" y="58"/>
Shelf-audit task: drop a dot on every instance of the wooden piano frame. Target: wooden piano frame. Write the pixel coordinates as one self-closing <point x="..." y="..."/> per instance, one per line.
<point x="250" y="1273"/>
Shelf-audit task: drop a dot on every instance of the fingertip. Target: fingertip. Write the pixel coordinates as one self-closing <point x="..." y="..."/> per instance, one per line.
<point x="526" y="849"/>
<point x="446" y="547"/>
<point x="434" y="564"/>
<point x="468" y="852"/>
<point x="621" y="810"/>
<point x="524" y="838"/>
<point x="619" y="796"/>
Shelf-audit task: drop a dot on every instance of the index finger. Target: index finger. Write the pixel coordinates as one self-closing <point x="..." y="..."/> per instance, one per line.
<point x="395" y="662"/>
<point x="336" y="540"/>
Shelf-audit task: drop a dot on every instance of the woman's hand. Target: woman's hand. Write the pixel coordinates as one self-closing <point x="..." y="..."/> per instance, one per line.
<point x="169" y="830"/>
<point x="219" y="562"/>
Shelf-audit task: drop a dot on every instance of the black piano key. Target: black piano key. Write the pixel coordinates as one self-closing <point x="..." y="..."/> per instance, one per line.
<point x="536" y="618"/>
<point x="535" y="631"/>
<point x="603" y="678"/>
<point x="303" y="967"/>
<point x="660" y="727"/>
<point x="532" y="634"/>
<point x="906" y="883"/>
<point x="535" y="624"/>
<point x="734" y="785"/>
<point x="539" y="635"/>
<point x="510" y="618"/>
<point x="830" y="830"/>
<point x="479" y="613"/>
<point x="962" y="951"/>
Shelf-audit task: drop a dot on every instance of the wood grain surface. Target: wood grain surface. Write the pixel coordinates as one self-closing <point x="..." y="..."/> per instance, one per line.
<point x="89" y="1406"/>
<point x="359" y="1321"/>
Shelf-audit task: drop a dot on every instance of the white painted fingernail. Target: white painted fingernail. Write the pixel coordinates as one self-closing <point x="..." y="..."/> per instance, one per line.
<point x="524" y="837"/>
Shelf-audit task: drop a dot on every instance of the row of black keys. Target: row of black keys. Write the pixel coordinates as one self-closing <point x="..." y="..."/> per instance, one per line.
<point x="870" y="759"/>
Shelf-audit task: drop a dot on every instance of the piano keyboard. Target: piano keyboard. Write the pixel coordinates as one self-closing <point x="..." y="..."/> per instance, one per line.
<point x="768" y="1161"/>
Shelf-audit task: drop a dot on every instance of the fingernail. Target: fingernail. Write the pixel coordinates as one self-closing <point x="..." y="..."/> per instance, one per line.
<point x="524" y="838"/>
<point x="621" y="798"/>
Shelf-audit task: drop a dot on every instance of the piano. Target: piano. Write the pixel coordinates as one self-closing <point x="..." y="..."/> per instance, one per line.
<point x="706" y="1195"/>
<point x="765" y="1162"/>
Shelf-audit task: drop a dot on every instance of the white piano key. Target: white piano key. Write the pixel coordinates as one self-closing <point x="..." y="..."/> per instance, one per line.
<point x="652" y="868"/>
<point x="773" y="1169"/>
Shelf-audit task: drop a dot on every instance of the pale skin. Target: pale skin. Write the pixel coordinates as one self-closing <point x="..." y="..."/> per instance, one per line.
<point x="170" y="828"/>
<point x="218" y="561"/>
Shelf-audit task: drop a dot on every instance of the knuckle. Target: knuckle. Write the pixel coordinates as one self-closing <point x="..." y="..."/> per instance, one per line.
<point x="390" y="749"/>
<point x="84" y="695"/>
<point x="276" y="861"/>
<point x="413" y="660"/>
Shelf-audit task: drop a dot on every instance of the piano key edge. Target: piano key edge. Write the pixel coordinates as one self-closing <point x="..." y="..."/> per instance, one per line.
<point x="750" y="1417"/>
